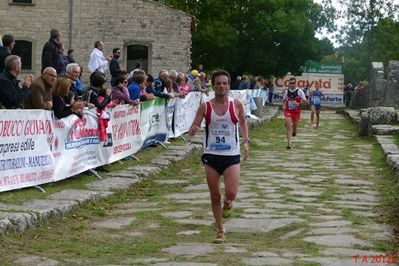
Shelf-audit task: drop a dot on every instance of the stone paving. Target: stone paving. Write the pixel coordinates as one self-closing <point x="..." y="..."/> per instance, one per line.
<point x="300" y="175"/>
<point x="312" y="195"/>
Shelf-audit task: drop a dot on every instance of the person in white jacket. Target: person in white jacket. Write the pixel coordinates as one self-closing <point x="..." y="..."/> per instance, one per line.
<point x="98" y="62"/>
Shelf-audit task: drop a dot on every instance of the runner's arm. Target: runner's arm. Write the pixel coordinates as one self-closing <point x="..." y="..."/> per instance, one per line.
<point x="302" y="96"/>
<point x="284" y="98"/>
<point x="243" y="127"/>
<point x="197" y="120"/>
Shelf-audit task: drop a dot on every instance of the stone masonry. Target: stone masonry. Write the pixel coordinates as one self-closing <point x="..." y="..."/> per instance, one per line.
<point x="165" y="31"/>
<point x="381" y="91"/>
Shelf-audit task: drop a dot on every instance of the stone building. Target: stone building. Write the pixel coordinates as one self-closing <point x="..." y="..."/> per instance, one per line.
<point x="146" y="31"/>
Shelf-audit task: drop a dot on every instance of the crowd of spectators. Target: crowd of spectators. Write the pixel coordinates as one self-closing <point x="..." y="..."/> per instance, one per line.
<point x="60" y="88"/>
<point x="257" y="82"/>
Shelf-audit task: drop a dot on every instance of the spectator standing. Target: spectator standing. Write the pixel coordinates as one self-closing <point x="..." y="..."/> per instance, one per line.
<point x="348" y="90"/>
<point x="8" y="45"/>
<point x="244" y="84"/>
<point x="13" y="92"/>
<point x="41" y="96"/>
<point x="252" y="82"/>
<point x="306" y="91"/>
<point x="50" y="57"/>
<point x="114" y="67"/>
<point x="236" y="83"/>
<point x="137" y="69"/>
<point x="270" y="91"/>
<point x="62" y="59"/>
<point x="70" y="56"/>
<point x="98" y="62"/>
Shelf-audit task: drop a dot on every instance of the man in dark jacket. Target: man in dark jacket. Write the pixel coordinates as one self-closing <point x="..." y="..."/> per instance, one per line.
<point x="8" y="45"/>
<point x="12" y="93"/>
<point x="114" y="67"/>
<point x="50" y="56"/>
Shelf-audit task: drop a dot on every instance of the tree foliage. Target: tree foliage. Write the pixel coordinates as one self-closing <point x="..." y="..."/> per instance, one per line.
<point x="256" y="36"/>
<point x="367" y="36"/>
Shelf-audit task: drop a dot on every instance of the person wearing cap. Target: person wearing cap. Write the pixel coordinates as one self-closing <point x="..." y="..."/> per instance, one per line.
<point x="192" y="75"/>
<point x="196" y="83"/>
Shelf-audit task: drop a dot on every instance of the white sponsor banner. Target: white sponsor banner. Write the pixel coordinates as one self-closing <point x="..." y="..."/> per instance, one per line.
<point x="77" y="145"/>
<point x="125" y="131"/>
<point x="185" y="111"/>
<point x="331" y="85"/>
<point x="245" y="97"/>
<point x="240" y="95"/>
<point x="25" y="148"/>
<point x="153" y="122"/>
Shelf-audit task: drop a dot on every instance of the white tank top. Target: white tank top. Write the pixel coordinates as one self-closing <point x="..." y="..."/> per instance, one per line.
<point x="221" y="132"/>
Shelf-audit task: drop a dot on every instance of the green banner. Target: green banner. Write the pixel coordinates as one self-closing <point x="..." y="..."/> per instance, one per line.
<point x="322" y="67"/>
<point x="156" y="102"/>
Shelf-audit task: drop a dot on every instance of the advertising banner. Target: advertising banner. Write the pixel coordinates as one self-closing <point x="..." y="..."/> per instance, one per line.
<point x="185" y="111"/>
<point x="76" y="146"/>
<point x="331" y="85"/>
<point x="153" y="122"/>
<point x="25" y="148"/>
<point x="322" y="67"/>
<point x="125" y="131"/>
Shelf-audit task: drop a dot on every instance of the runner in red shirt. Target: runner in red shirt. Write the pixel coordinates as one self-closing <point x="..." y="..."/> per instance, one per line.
<point x="292" y="99"/>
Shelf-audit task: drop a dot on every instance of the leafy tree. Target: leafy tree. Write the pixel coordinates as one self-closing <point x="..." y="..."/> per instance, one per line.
<point x="361" y="35"/>
<point x="256" y="36"/>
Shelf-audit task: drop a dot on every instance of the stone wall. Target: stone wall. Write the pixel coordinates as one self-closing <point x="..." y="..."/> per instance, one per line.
<point x="381" y="91"/>
<point x="118" y="23"/>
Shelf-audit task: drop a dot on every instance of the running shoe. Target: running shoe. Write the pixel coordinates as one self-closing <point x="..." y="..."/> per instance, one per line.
<point x="227" y="209"/>
<point x="220" y="237"/>
<point x="289" y="146"/>
<point x="293" y="133"/>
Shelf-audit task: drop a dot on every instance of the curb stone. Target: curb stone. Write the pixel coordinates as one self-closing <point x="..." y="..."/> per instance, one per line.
<point x="19" y="218"/>
<point x="387" y="143"/>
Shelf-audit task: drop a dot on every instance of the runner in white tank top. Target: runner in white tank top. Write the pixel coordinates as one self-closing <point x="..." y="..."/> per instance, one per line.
<point x="221" y="132"/>
<point x="221" y="146"/>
